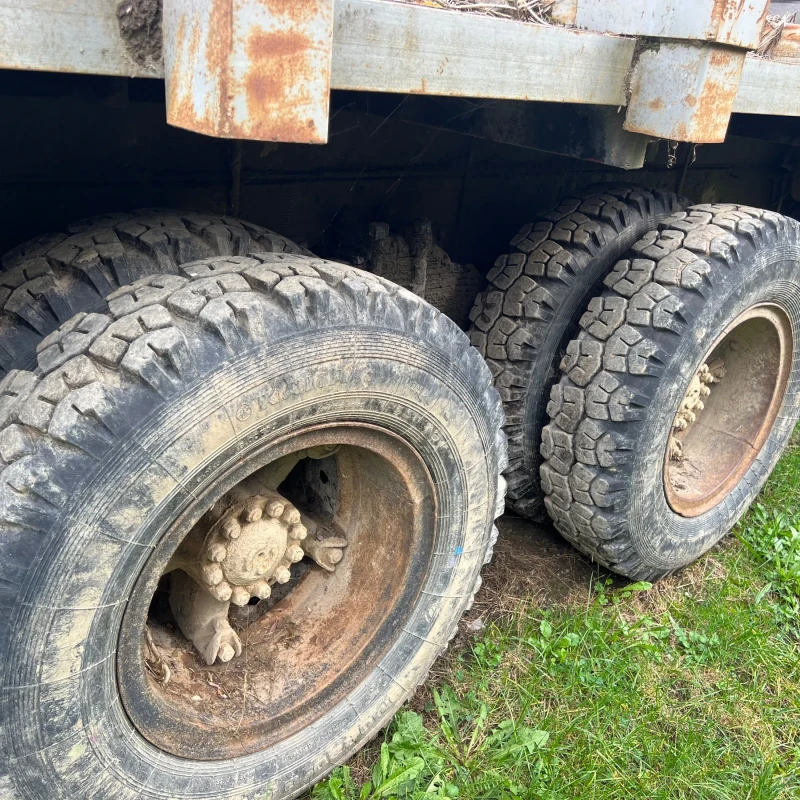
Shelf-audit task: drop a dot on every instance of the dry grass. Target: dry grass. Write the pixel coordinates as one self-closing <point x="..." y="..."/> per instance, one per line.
<point x="772" y="32"/>
<point x="522" y="10"/>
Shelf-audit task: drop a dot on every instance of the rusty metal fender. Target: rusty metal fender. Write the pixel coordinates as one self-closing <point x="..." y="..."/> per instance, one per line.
<point x="249" y="69"/>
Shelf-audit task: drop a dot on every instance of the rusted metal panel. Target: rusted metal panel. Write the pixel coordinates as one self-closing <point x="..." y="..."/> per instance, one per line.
<point x="563" y="12"/>
<point x="734" y="22"/>
<point x="249" y="69"/>
<point x="787" y="48"/>
<point x="684" y="91"/>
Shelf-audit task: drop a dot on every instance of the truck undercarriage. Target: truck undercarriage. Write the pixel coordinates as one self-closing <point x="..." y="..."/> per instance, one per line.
<point x="262" y="403"/>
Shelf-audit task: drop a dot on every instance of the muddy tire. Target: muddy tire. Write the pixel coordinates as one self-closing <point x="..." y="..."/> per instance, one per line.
<point x="137" y="424"/>
<point x="637" y="474"/>
<point x="49" y="279"/>
<point x="523" y="321"/>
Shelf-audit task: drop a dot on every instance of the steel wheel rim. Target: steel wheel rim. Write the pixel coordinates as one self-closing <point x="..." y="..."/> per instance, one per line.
<point x="722" y="437"/>
<point x="395" y="541"/>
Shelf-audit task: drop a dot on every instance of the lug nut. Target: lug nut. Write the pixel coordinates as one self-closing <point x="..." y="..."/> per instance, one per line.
<point x="291" y="516"/>
<point x="294" y="553"/>
<point x="261" y="590"/>
<point x="253" y="513"/>
<point x="222" y="591"/>
<point x="335" y="556"/>
<point x="275" y="509"/>
<point x="217" y="552"/>
<point x="231" y="529"/>
<point x="298" y="531"/>
<point x="212" y="574"/>
<point x="282" y="575"/>
<point x="240" y="596"/>
<point x="225" y="654"/>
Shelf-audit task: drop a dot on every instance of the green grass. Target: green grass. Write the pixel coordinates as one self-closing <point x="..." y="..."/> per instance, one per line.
<point x="689" y="689"/>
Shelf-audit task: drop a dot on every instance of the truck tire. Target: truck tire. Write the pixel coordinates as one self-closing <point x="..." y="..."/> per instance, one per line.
<point x="680" y="391"/>
<point x="152" y="421"/>
<point x="49" y="279"/>
<point x="523" y="321"/>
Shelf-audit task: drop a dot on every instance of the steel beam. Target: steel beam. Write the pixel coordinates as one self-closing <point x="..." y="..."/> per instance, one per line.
<point x="737" y="23"/>
<point x="392" y="47"/>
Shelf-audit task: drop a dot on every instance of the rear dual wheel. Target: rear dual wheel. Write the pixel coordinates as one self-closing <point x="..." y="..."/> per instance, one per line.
<point x="242" y="512"/>
<point x="680" y="391"/>
<point x="523" y="322"/>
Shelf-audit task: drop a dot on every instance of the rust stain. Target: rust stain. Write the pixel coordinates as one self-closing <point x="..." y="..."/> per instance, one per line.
<point x="174" y="99"/>
<point x="300" y="12"/>
<point x="219" y="45"/>
<point x="273" y="100"/>
<point x="281" y="66"/>
<point x="788" y="46"/>
<point x="724" y="24"/>
<point x="691" y="100"/>
<point x="180" y="102"/>
<point x="724" y="10"/>
<point x="263" y="45"/>
<point x="715" y="100"/>
<point x="656" y="104"/>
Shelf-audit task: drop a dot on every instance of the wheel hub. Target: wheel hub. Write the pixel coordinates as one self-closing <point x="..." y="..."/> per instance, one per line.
<point x="251" y="546"/>
<point x="693" y="403"/>
<point x="204" y="678"/>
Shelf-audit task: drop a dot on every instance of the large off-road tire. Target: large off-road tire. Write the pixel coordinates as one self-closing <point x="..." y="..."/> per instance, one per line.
<point x="139" y="420"/>
<point x="523" y="321"/>
<point x="49" y="279"/>
<point x="637" y="475"/>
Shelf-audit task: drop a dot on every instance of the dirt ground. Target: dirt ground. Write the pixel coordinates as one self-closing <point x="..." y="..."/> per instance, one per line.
<point x="531" y="564"/>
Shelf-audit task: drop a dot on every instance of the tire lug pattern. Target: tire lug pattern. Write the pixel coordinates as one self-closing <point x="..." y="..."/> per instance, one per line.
<point x="536" y="293"/>
<point x="609" y="373"/>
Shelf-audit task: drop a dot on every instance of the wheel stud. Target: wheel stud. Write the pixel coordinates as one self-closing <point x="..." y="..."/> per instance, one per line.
<point x="261" y="590"/>
<point x="253" y="513"/>
<point x="291" y="516"/>
<point x="295" y="554"/>
<point x="282" y="575"/>
<point x="222" y="591"/>
<point x="212" y="573"/>
<point x="240" y="596"/>
<point x="275" y="509"/>
<point x="217" y="552"/>
<point x="298" y="532"/>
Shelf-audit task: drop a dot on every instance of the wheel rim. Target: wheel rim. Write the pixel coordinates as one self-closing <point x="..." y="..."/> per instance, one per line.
<point x="316" y="638"/>
<point x="728" y="410"/>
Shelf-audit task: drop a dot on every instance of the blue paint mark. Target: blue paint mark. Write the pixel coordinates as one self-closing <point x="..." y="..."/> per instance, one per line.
<point x="459" y="550"/>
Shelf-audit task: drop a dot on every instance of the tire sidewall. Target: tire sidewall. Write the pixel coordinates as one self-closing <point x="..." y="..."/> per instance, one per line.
<point x="664" y="539"/>
<point x="114" y="515"/>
